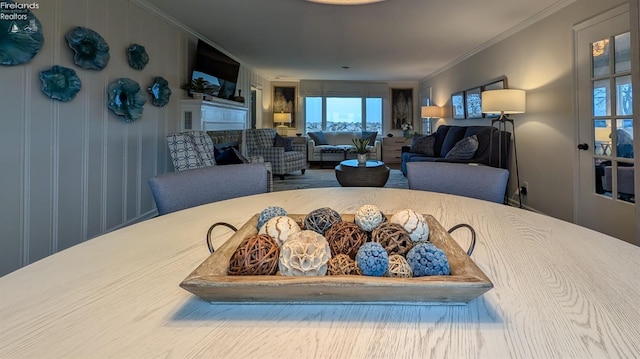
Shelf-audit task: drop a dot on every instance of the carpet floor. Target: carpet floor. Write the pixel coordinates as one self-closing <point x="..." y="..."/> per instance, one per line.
<point x="318" y="178"/>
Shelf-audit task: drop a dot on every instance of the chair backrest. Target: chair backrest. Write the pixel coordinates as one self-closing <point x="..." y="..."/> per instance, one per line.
<point x="191" y="149"/>
<point x="260" y="138"/>
<point x="179" y="190"/>
<point x="481" y="182"/>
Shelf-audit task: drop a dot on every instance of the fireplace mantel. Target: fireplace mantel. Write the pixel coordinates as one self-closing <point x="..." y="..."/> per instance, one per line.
<point x="213" y="115"/>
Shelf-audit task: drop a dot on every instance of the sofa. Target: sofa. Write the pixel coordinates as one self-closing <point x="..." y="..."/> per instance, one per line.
<point x="439" y="146"/>
<point x="333" y="146"/>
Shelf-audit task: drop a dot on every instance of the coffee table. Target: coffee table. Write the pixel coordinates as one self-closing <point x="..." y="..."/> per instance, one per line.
<point x="372" y="174"/>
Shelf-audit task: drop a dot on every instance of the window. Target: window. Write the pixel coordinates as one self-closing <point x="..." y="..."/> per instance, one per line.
<point x="346" y="114"/>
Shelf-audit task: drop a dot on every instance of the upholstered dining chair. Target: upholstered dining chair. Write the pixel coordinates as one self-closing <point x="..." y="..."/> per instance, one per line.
<point x="468" y="180"/>
<point x="174" y="191"/>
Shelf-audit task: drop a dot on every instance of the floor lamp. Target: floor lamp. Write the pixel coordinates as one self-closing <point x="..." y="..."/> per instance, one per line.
<point x="504" y="102"/>
<point x="282" y="118"/>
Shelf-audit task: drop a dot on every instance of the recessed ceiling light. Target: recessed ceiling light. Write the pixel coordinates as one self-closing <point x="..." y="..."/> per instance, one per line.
<point x="345" y="2"/>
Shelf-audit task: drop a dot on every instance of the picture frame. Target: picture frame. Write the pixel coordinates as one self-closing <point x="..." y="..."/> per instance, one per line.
<point x="284" y="100"/>
<point x="457" y="106"/>
<point x="473" y="103"/>
<point x="401" y="107"/>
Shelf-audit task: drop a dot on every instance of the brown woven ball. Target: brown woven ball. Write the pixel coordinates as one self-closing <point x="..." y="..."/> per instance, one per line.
<point x="342" y="265"/>
<point x="393" y="237"/>
<point x="398" y="267"/>
<point x="345" y="238"/>
<point x="320" y="220"/>
<point x="256" y="255"/>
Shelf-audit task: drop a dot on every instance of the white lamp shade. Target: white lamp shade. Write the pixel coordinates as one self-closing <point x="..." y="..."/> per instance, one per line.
<point x="504" y="101"/>
<point x="282" y="117"/>
<point x="430" y="111"/>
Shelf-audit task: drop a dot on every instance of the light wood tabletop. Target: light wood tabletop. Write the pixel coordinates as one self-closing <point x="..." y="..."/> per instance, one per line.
<point x="560" y="291"/>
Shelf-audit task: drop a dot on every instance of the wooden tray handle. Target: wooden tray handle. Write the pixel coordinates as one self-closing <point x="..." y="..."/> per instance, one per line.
<point x="473" y="236"/>
<point x="211" y="250"/>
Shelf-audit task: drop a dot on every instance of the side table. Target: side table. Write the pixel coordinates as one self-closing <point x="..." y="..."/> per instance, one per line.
<point x="371" y="174"/>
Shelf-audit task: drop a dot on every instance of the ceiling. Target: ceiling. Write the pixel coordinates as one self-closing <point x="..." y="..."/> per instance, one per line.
<point x="392" y="40"/>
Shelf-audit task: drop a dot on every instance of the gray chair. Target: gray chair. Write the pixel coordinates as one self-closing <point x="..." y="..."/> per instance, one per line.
<point x="174" y="191"/>
<point x="475" y="181"/>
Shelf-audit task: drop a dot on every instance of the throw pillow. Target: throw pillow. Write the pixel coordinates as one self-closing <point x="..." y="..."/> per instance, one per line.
<point x="464" y="149"/>
<point x="228" y="156"/>
<point x="281" y="141"/>
<point x="424" y="145"/>
<point x="318" y="137"/>
<point x="369" y="135"/>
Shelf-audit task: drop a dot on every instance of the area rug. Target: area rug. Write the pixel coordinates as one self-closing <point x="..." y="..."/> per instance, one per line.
<point x="317" y="178"/>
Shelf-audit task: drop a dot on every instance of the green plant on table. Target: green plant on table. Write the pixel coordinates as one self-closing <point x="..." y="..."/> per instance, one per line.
<point x="360" y="145"/>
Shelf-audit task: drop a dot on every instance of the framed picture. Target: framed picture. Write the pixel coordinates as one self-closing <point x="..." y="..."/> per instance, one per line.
<point x="497" y="84"/>
<point x="401" y="107"/>
<point x="473" y="103"/>
<point x="457" y="106"/>
<point x="284" y="100"/>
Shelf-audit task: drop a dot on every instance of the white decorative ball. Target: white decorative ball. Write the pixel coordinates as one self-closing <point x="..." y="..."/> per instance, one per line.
<point x="413" y="222"/>
<point x="368" y="217"/>
<point x="280" y="228"/>
<point x="305" y="253"/>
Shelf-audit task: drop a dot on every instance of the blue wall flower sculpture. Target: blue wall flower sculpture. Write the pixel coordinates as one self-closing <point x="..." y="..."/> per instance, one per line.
<point x="91" y="51"/>
<point x="125" y="99"/>
<point x="160" y="91"/>
<point x="21" y="35"/>
<point x="60" y="83"/>
<point x="137" y="56"/>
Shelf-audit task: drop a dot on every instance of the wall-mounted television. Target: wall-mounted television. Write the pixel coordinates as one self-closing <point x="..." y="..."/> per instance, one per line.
<point x="218" y="69"/>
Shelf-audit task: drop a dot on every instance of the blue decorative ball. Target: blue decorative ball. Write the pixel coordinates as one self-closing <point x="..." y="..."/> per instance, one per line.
<point x="372" y="259"/>
<point x="268" y="213"/>
<point x="427" y="259"/>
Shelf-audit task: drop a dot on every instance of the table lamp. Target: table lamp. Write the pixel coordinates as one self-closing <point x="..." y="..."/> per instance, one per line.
<point x="282" y="118"/>
<point x="430" y="112"/>
<point x="505" y="102"/>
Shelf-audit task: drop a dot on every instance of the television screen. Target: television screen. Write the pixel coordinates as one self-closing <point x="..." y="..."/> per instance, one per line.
<point x="218" y="69"/>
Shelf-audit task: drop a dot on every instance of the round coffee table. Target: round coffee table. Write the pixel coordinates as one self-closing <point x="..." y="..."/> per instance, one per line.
<point x="372" y="174"/>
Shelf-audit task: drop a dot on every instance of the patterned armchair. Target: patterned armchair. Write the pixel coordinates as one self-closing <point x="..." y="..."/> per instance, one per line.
<point x="260" y="142"/>
<point x="195" y="149"/>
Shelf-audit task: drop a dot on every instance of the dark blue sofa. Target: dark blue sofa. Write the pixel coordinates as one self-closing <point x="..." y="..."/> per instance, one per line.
<point x="447" y="136"/>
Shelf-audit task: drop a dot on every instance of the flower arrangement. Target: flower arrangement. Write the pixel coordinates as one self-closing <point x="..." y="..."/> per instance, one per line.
<point x="406" y="126"/>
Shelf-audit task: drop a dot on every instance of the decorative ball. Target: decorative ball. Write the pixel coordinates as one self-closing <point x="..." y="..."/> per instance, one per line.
<point x="345" y="238"/>
<point x="256" y="255"/>
<point x="368" y="217"/>
<point x="372" y="259"/>
<point x="342" y="265"/>
<point x="280" y="228"/>
<point x="320" y="220"/>
<point x="427" y="259"/>
<point x="268" y="213"/>
<point x="305" y="253"/>
<point x="393" y="237"/>
<point x="412" y="222"/>
<point x="398" y="267"/>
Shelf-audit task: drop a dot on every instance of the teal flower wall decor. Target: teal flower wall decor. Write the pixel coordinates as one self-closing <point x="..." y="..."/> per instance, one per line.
<point x="21" y="36"/>
<point x="125" y="99"/>
<point x="137" y="56"/>
<point x="60" y="83"/>
<point x="91" y="51"/>
<point x="160" y="91"/>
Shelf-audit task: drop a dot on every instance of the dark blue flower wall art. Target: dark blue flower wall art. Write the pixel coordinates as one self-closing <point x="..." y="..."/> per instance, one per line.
<point x="60" y="83"/>
<point x="125" y="99"/>
<point x="91" y="51"/>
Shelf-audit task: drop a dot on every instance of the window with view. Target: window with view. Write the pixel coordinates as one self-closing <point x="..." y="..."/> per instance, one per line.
<point x="346" y="114"/>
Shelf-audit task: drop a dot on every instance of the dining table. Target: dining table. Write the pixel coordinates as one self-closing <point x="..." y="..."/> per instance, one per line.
<point x="559" y="291"/>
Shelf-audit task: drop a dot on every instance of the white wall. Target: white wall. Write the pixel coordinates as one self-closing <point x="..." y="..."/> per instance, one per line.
<point x="538" y="59"/>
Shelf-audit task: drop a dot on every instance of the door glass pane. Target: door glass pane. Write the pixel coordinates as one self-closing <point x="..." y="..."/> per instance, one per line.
<point x="600" y="58"/>
<point x="602" y="186"/>
<point x="623" y="96"/>
<point x="622" y="56"/>
<point x="313" y="113"/>
<point x="602" y="136"/>
<point x="624" y="138"/>
<point x="601" y="98"/>
<point x="344" y="114"/>
<point x="374" y="114"/>
<point x="625" y="182"/>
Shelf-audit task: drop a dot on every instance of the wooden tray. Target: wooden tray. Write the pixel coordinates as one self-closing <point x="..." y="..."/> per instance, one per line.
<point x="210" y="281"/>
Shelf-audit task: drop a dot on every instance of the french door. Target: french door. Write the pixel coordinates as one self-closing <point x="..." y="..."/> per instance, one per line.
<point x="606" y="195"/>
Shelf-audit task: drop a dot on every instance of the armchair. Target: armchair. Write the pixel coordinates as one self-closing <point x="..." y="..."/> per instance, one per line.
<point x="260" y="142"/>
